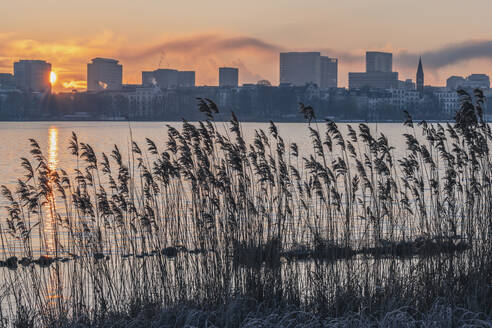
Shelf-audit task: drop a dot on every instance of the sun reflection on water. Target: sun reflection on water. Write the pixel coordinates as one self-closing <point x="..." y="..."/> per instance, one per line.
<point x="50" y="230"/>
<point x="49" y="224"/>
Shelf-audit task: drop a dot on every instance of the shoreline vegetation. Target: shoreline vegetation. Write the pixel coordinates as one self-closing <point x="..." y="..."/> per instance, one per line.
<point x="212" y="230"/>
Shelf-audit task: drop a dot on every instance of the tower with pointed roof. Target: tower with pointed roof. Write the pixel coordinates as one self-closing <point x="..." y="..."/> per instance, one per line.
<point x="420" y="78"/>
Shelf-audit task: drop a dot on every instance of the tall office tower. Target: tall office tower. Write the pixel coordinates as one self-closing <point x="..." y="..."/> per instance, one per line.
<point x="377" y="61"/>
<point x="186" y="79"/>
<point x="166" y="78"/>
<point x="300" y="68"/>
<point x="32" y="75"/>
<point x="104" y="74"/>
<point x="379" y="72"/>
<point x="420" y="78"/>
<point x="329" y="72"/>
<point x="228" y="77"/>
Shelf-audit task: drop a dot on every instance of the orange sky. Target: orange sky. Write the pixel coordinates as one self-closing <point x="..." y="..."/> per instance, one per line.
<point x="451" y="37"/>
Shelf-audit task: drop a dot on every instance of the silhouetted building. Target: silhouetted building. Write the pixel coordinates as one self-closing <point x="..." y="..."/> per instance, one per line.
<point x="480" y="81"/>
<point x="406" y="85"/>
<point x="329" y="72"/>
<point x="420" y="78"/>
<point x="166" y="78"/>
<point x="378" y="75"/>
<point x="32" y="75"/>
<point x="186" y="79"/>
<point x="104" y="74"/>
<point x="455" y="82"/>
<point x="7" y="80"/>
<point x="373" y="80"/>
<point x="300" y="68"/>
<point x="228" y="77"/>
<point x="148" y="79"/>
<point x="377" y="61"/>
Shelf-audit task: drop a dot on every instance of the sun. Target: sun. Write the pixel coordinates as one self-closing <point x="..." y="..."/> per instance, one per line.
<point x="52" y="77"/>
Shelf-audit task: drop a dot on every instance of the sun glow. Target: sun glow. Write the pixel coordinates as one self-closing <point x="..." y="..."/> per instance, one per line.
<point x="52" y="77"/>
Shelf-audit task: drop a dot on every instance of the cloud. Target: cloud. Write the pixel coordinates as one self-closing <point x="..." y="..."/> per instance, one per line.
<point x="447" y="55"/>
<point x="202" y="44"/>
<point x="246" y="74"/>
<point x="205" y="52"/>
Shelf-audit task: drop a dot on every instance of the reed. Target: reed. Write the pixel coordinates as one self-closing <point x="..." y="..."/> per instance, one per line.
<point x="209" y="217"/>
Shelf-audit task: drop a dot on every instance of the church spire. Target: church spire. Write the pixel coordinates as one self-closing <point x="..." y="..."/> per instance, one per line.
<point x="420" y="78"/>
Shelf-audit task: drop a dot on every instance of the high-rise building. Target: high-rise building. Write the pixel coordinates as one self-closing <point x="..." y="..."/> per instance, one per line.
<point x="377" y="61"/>
<point x="104" y="74"/>
<point x="32" y="75"/>
<point x="186" y="79"/>
<point x="420" y="78"/>
<point x="379" y="73"/>
<point x="166" y="78"/>
<point x="300" y="68"/>
<point x="329" y="72"/>
<point x="228" y="77"/>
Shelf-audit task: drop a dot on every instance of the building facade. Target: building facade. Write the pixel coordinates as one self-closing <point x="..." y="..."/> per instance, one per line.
<point x="455" y="82"/>
<point x="7" y="81"/>
<point x="377" y="61"/>
<point x="300" y="68"/>
<point x="104" y="74"/>
<point x="379" y="73"/>
<point x="373" y="80"/>
<point x="228" y="77"/>
<point x="329" y="73"/>
<point x="477" y="81"/>
<point x="186" y="79"/>
<point x="449" y="101"/>
<point x="32" y="75"/>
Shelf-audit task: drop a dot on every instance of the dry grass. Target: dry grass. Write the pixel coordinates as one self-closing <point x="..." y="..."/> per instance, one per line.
<point x="207" y="217"/>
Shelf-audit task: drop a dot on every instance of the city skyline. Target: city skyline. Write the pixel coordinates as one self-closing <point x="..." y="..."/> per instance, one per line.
<point x="158" y="35"/>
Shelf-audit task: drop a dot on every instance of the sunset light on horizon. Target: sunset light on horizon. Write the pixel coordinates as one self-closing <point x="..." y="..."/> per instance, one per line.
<point x="244" y="35"/>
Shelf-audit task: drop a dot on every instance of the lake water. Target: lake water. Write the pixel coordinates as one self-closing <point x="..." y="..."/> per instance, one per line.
<point x="188" y="275"/>
<point x="54" y="138"/>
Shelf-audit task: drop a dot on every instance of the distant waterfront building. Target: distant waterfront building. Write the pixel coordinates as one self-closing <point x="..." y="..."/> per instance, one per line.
<point x="373" y="80"/>
<point x="378" y="75"/>
<point x="329" y="72"/>
<point x="408" y="84"/>
<point x="104" y="74"/>
<point x="7" y="81"/>
<point x="377" y="61"/>
<point x="228" y="77"/>
<point x="420" y="78"/>
<point x="480" y="81"/>
<point x="186" y="79"/>
<point x="168" y="78"/>
<point x="455" y="82"/>
<point x="148" y="79"/>
<point x="448" y="100"/>
<point x="32" y="75"/>
<point x="300" y="68"/>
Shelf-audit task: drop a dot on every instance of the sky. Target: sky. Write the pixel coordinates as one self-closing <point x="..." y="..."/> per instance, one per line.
<point x="453" y="37"/>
